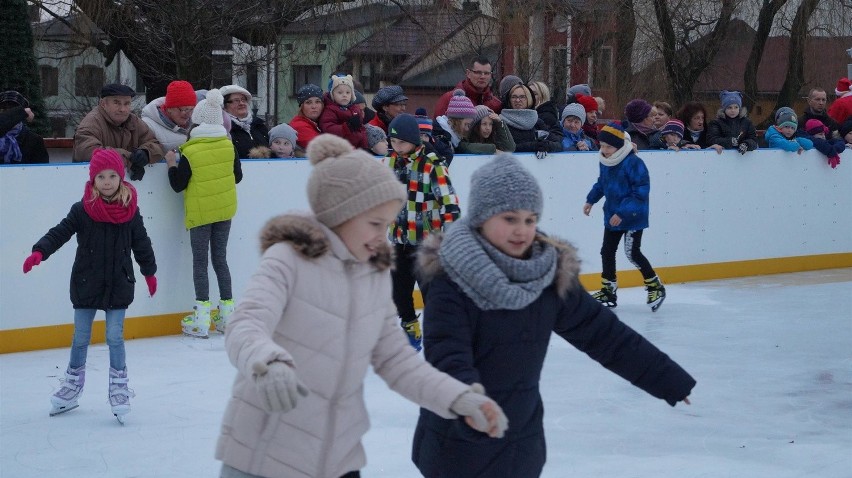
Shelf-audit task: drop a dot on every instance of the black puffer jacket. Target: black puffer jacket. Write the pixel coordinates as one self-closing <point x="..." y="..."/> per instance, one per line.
<point x="32" y="145"/>
<point x="102" y="276"/>
<point x="245" y="141"/>
<point x="724" y="130"/>
<point x="504" y="350"/>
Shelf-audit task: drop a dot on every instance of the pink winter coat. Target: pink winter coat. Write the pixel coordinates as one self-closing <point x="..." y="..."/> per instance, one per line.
<point x="311" y="303"/>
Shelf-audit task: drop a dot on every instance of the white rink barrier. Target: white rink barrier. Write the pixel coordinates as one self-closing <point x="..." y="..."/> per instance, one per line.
<point x="712" y="216"/>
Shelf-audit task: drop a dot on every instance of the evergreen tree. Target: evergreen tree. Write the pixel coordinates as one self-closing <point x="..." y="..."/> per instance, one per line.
<point x="20" y="68"/>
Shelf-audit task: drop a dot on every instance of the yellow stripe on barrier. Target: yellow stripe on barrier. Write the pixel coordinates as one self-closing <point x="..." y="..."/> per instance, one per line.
<point x="38" y="338"/>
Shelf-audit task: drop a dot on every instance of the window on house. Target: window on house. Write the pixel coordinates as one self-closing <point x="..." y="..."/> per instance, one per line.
<point x="370" y="74"/>
<point x="88" y="80"/>
<point x="602" y="68"/>
<point x="558" y="73"/>
<point x="49" y="80"/>
<point x="251" y="78"/>
<point x="223" y="70"/>
<point x="140" y="83"/>
<point x="304" y="74"/>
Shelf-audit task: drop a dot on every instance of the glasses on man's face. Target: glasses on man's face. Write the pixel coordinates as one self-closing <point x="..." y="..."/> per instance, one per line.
<point x="518" y="97"/>
<point x="479" y="73"/>
<point x="186" y="110"/>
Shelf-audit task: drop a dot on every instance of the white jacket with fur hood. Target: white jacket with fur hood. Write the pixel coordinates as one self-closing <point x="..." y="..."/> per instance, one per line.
<point x="312" y="304"/>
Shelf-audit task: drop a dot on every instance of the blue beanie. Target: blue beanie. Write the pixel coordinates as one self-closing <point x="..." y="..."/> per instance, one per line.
<point x="729" y="98"/>
<point x="405" y="127"/>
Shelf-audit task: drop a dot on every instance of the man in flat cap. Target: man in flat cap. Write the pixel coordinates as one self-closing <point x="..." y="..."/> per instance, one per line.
<point x="112" y="125"/>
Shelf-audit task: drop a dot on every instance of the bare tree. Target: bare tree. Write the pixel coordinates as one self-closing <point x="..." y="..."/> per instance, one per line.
<point x="176" y="39"/>
<point x="680" y="26"/>
<point x="795" y="78"/>
<point x="765" y="20"/>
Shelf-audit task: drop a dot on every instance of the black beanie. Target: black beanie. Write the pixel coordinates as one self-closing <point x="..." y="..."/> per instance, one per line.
<point x="405" y="127"/>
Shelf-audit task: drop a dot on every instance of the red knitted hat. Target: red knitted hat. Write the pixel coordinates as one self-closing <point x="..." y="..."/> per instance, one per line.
<point x="843" y="86"/>
<point x="179" y="93"/>
<point x="103" y="158"/>
<point x="588" y="102"/>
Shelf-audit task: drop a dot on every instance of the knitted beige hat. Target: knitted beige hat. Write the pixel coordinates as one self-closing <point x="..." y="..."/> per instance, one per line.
<point x="346" y="182"/>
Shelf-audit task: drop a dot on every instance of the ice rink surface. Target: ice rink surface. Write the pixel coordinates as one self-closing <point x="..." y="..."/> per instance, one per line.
<point x="772" y="356"/>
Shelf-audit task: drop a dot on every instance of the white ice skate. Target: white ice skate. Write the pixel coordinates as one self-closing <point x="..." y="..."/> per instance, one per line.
<point x="221" y="316"/>
<point x="198" y="323"/>
<point x="65" y="399"/>
<point x="119" y="393"/>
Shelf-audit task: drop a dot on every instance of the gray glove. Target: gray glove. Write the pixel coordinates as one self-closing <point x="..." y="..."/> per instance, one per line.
<point x="743" y="148"/>
<point x="278" y="385"/>
<point x="471" y="403"/>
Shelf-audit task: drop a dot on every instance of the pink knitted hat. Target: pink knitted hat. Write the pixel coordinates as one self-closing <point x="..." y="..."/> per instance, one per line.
<point x="460" y="106"/>
<point x="103" y="158"/>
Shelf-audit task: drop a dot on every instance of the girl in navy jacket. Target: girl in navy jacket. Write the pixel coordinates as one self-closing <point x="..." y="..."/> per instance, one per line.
<point x="498" y="290"/>
<point x="108" y="226"/>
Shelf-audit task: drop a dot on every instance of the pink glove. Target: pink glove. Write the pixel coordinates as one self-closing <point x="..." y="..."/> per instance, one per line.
<point x="33" y="260"/>
<point x="834" y="161"/>
<point x="152" y="284"/>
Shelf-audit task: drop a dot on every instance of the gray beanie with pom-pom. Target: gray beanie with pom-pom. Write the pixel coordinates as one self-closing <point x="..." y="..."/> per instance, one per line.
<point x="346" y="182"/>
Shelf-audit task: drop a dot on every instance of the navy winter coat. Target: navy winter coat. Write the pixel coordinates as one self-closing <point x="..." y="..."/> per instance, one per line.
<point x="724" y="130"/>
<point x="626" y="186"/>
<point x="102" y="276"/>
<point x="504" y="350"/>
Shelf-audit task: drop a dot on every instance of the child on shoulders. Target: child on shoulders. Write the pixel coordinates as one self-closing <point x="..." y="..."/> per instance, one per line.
<point x="340" y="116"/>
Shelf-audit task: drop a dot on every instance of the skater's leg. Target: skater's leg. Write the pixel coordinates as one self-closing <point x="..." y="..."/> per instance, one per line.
<point x="218" y="256"/>
<point x="633" y="251"/>
<point x="115" y="337"/>
<point x="199" y="240"/>
<point x="608" y="249"/>
<point x="83" y="319"/>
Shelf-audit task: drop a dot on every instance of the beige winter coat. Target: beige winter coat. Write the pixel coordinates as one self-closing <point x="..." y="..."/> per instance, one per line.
<point x="97" y="130"/>
<point x="312" y="304"/>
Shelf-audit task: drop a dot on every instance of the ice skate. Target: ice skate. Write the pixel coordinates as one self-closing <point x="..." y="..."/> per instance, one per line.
<point x="415" y="336"/>
<point x="119" y="394"/>
<point x="65" y="399"/>
<point x="198" y="323"/>
<point x="607" y="296"/>
<point x="656" y="293"/>
<point x="221" y="316"/>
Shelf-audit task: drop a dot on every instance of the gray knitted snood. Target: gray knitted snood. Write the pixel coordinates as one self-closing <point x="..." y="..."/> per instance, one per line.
<point x="489" y="277"/>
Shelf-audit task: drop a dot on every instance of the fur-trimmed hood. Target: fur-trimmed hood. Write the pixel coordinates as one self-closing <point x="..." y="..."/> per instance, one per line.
<point x="567" y="270"/>
<point x="310" y="238"/>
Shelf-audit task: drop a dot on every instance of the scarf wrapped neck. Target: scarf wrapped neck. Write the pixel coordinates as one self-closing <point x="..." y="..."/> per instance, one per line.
<point x="523" y="119"/>
<point x="9" y="147"/>
<point x="112" y="212"/>
<point x="619" y="155"/>
<point x="489" y="277"/>
<point x="244" y="123"/>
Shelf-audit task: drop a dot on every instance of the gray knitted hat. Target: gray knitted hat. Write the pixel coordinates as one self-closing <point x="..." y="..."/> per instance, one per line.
<point x="346" y="182"/>
<point x="507" y="83"/>
<point x="574" y="109"/>
<point x="499" y="186"/>
<point x="375" y="135"/>
<point x="481" y="112"/>
<point x="283" y="131"/>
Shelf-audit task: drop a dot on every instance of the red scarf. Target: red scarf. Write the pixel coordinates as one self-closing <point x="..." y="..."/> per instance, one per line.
<point x="113" y="212"/>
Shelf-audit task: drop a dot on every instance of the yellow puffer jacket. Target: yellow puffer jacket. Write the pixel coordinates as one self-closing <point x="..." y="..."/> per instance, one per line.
<point x="211" y="195"/>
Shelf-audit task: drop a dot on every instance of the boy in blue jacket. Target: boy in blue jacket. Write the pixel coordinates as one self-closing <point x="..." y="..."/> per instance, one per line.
<point x="784" y="135"/>
<point x="625" y="183"/>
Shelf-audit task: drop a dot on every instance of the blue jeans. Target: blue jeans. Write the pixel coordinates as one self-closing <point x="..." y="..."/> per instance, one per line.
<point x="83" y="319"/>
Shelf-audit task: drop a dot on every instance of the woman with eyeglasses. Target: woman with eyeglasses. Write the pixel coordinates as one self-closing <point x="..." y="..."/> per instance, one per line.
<point x="247" y="131"/>
<point x="530" y="133"/>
